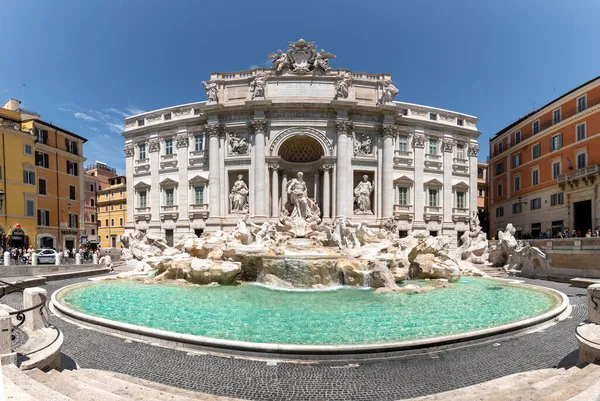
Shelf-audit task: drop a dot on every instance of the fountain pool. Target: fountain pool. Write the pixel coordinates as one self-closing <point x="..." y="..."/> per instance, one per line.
<point x="346" y="318"/>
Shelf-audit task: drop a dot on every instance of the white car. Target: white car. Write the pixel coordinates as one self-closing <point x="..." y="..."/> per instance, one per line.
<point x="47" y="255"/>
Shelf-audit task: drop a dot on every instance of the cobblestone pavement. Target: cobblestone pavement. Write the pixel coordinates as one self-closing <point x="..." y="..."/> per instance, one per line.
<point x="390" y="378"/>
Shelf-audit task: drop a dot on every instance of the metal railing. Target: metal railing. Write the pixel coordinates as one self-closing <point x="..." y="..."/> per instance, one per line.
<point x="20" y="315"/>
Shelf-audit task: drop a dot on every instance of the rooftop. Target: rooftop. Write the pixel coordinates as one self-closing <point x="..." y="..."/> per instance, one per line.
<point x="100" y="166"/>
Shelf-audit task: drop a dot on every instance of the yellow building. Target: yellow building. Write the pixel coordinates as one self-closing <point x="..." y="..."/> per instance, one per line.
<point x="18" y="217"/>
<point x="112" y="212"/>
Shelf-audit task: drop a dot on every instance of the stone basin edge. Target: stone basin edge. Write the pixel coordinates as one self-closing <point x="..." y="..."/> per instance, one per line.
<point x="183" y="339"/>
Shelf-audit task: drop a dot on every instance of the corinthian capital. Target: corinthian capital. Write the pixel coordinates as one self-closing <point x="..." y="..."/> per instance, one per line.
<point x="473" y="150"/>
<point x="343" y="126"/>
<point x="389" y="130"/>
<point x="448" y="145"/>
<point x="259" y="125"/>
<point x="182" y="141"/>
<point x="129" y="150"/>
<point x="213" y="129"/>
<point x="153" y="145"/>
<point x="419" y="140"/>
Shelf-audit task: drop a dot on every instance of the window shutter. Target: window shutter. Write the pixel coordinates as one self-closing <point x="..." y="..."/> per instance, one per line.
<point x="25" y="176"/>
<point x="560" y="140"/>
<point x="39" y="217"/>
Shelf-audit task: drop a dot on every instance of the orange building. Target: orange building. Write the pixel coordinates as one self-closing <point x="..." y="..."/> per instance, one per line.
<point x="545" y="167"/>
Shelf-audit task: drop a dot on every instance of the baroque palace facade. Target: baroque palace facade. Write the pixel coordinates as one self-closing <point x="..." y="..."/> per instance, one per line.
<point x="201" y="166"/>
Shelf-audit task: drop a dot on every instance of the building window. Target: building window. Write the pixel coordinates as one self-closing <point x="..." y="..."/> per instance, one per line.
<point x="517" y="137"/>
<point x="143" y="198"/>
<point x="72" y="194"/>
<point x="92" y="202"/>
<point x="106" y="196"/>
<point x="91" y="187"/>
<point x="120" y="206"/>
<point x="28" y="177"/>
<point x="460" y="200"/>
<point x="199" y="143"/>
<point x="93" y="232"/>
<point x="581" y="103"/>
<point x="112" y="207"/>
<point x="500" y="147"/>
<point x="499" y="189"/>
<point x="556" y="142"/>
<point x="168" y="146"/>
<point x="499" y="211"/>
<point x="433" y="116"/>
<point x="42" y="189"/>
<point x="169" y="192"/>
<point x="43" y="218"/>
<point x="480" y="192"/>
<point x="120" y="221"/>
<point x="112" y="222"/>
<point x="479" y="173"/>
<point x="556" y="116"/>
<point x="106" y="208"/>
<point x="29" y="208"/>
<point x="581" y="131"/>
<point x="403" y="143"/>
<point x="42" y="136"/>
<point x="0" y="172"/>
<point x="199" y="195"/>
<point x="28" y="149"/>
<point x="72" y="168"/>
<point x="517" y="183"/>
<point x="460" y="152"/>
<point x="535" y="176"/>
<point x="106" y="223"/>
<point x="433" y="197"/>
<point x="535" y="151"/>
<point x="71" y="146"/>
<point x="73" y="220"/>
<point x="557" y="199"/>
<point x="536" y="203"/>
<point x="555" y="169"/>
<point x="403" y="195"/>
<point x="433" y="143"/>
<point x="142" y="151"/>
<point x="581" y="160"/>
<point x="93" y="218"/>
<point x="41" y="160"/>
<point x="499" y="168"/>
<point x="460" y="122"/>
<point x="535" y="127"/>
<point x="517" y="208"/>
<point x="516" y="160"/>
<point x="169" y="237"/>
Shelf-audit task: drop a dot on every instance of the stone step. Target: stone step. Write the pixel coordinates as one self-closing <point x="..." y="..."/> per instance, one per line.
<point x="12" y="392"/>
<point x="592" y="393"/>
<point x="31" y="386"/>
<point x="563" y="390"/>
<point x="75" y="389"/>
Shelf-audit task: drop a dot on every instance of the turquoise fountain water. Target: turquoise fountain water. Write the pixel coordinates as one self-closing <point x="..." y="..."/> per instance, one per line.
<point x="344" y="316"/>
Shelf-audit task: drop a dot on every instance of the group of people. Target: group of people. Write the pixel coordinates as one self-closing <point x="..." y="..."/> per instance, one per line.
<point x="23" y="255"/>
<point x="579" y="234"/>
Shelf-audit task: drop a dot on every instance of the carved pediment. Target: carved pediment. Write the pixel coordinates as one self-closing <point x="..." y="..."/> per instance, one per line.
<point x="404" y="180"/>
<point x="460" y="186"/>
<point x="168" y="182"/>
<point x="141" y="185"/>
<point x="433" y="183"/>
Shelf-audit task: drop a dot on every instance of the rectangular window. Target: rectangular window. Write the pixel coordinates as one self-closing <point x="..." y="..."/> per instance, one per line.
<point x="92" y="202"/>
<point x="581" y="103"/>
<point x="499" y="211"/>
<point x="42" y="189"/>
<point x="402" y="143"/>
<point x="535" y="177"/>
<point x="460" y="152"/>
<point x="581" y="160"/>
<point x="28" y="177"/>
<point x="41" y="160"/>
<point x="403" y="195"/>
<point x="42" y="136"/>
<point x="536" y="203"/>
<point x="199" y="195"/>
<point x="106" y="223"/>
<point x="120" y="221"/>
<point x="535" y="127"/>
<point x="535" y="151"/>
<point x="72" y="168"/>
<point x="168" y="146"/>
<point x="460" y="200"/>
<point x="500" y="147"/>
<point x="499" y="168"/>
<point x="120" y="206"/>
<point x="517" y="183"/>
<point x="460" y="122"/>
<point x="142" y="151"/>
<point x="199" y="143"/>
<point x="433" y="116"/>
<point x="112" y="207"/>
<point x="143" y="198"/>
<point x="557" y="199"/>
<point x="112" y="222"/>
<point x="93" y="217"/>
<point x="28" y="149"/>
<point x="43" y="218"/>
<point x="433" y="197"/>
<point x="29" y="208"/>
<point x="71" y="146"/>
<point x="433" y="143"/>
<point x="556" y="116"/>
<point x="106" y="208"/>
<point x="517" y="137"/>
<point x="73" y="220"/>
<point x="555" y="169"/>
<point x="556" y="142"/>
<point x="169" y="196"/>
<point x="581" y="131"/>
<point x="480" y="192"/>
<point x="516" y="160"/>
<point x="72" y="194"/>
<point x="499" y="189"/>
<point x="91" y="187"/>
<point x="517" y="208"/>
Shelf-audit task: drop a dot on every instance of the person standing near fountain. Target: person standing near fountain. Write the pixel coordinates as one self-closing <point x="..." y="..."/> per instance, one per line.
<point x="298" y="192"/>
<point x="362" y="196"/>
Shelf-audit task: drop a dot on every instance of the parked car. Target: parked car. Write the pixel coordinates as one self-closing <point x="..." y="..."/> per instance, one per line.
<point x="47" y="256"/>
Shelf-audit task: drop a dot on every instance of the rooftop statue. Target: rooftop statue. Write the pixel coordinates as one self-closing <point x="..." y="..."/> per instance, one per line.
<point x="301" y="57"/>
<point x="389" y="92"/>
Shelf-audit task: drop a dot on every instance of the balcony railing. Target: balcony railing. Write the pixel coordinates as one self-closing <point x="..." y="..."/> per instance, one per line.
<point x="198" y="211"/>
<point x="169" y="156"/>
<point x="403" y="157"/>
<point x="582" y="173"/>
<point x="139" y="162"/>
<point x="199" y="208"/>
<point x="403" y="212"/>
<point x="197" y="157"/>
<point x="169" y="208"/>
<point x="433" y="209"/>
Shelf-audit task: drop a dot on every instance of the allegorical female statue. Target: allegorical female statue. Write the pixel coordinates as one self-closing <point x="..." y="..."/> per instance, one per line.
<point x="238" y="197"/>
<point x="362" y="196"/>
<point x="297" y="190"/>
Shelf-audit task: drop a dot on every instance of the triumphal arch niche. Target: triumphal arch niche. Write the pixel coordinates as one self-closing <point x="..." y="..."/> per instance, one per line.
<point x="362" y="154"/>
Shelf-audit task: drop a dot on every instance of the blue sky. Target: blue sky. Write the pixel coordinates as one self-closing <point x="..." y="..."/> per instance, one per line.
<point x="88" y="64"/>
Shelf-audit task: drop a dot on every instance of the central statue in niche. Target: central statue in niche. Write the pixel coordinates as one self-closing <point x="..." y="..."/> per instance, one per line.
<point x="298" y="192"/>
<point x="304" y="214"/>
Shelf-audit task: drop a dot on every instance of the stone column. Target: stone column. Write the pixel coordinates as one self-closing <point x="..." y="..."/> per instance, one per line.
<point x="183" y="190"/>
<point x="448" y="200"/>
<point x="419" y="197"/>
<point x="260" y="193"/>
<point x="129" y="166"/>
<point x="334" y="191"/>
<point x="154" y="195"/>
<point x="37" y="318"/>
<point x="326" y="191"/>
<point x="343" y="195"/>
<point x="214" y="183"/>
<point x="274" y="190"/>
<point x="473" y="151"/>
<point x="6" y="351"/>
<point x="223" y="195"/>
<point x="284" y="194"/>
<point x="387" y="185"/>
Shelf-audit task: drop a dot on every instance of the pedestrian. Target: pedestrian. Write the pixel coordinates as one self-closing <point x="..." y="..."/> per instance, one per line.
<point x="578" y="233"/>
<point x="66" y="256"/>
<point x="589" y="233"/>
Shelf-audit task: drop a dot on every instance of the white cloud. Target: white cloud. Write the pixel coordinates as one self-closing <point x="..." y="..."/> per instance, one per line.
<point x="84" y="116"/>
<point x="134" y="110"/>
<point x="115" y="127"/>
<point x="117" y="111"/>
<point x="94" y="129"/>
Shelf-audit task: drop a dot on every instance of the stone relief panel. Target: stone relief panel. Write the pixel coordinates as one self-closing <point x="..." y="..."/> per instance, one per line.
<point x="237" y="144"/>
<point x="363" y="144"/>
